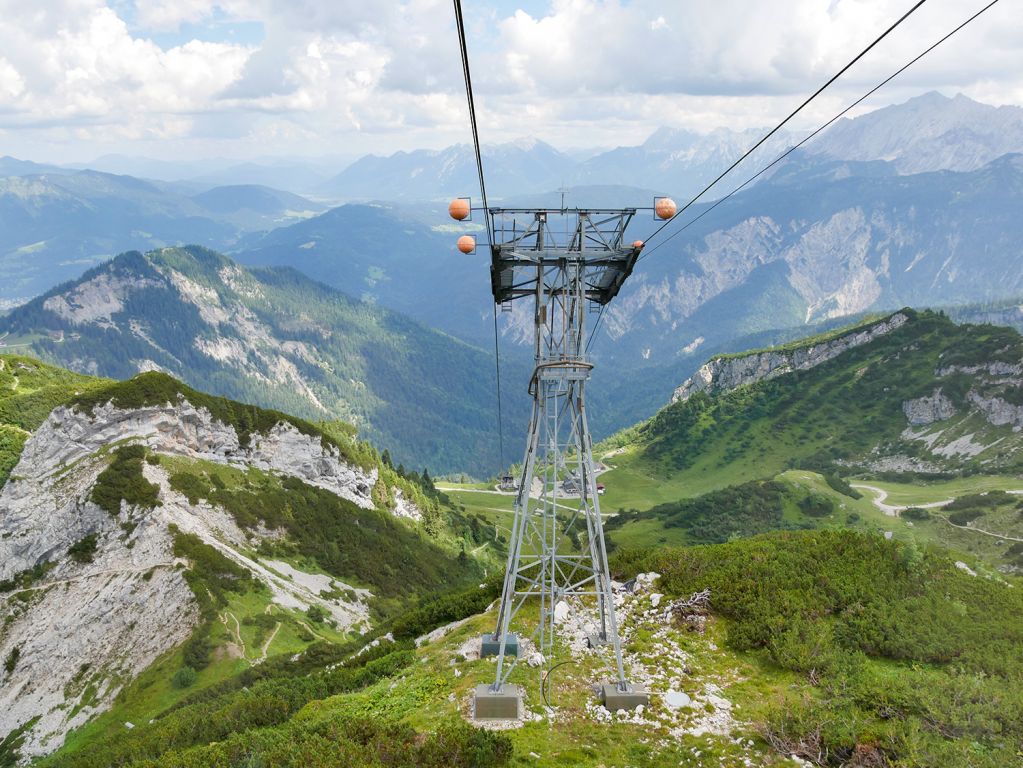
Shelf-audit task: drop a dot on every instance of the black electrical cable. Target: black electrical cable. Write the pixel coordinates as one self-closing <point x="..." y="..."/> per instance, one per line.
<point x="792" y="114"/>
<point x="460" y="24"/>
<point x="543" y="681"/>
<point x="841" y="114"/>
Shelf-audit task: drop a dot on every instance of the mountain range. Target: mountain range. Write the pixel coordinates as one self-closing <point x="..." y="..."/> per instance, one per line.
<point x="53" y="226"/>
<point x="927" y="133"/>
<point x="817" y="241"/>
<point x="275" y="337"/>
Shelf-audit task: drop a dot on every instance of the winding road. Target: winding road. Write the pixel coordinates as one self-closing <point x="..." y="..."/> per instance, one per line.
<point x="892" y="510"/>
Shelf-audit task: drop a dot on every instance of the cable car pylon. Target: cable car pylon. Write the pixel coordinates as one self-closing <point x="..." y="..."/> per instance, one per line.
<point x="562" y="261"/>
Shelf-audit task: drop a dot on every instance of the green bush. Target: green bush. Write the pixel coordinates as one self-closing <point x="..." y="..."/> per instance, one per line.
<point x="839" y="485"/>
<point x="184" y="677"/>
<point x="123" y="481"/>
<point x="965" y="516"/>
<point x="915" y="513"/>
<point x="316" y="614"/>
<point x="12" y="659"/>
<point x="816" y="505"/>
<point x="83" y="550"/>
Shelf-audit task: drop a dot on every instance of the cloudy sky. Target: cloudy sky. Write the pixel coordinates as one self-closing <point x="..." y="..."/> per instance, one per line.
<point x="254" y="78"/>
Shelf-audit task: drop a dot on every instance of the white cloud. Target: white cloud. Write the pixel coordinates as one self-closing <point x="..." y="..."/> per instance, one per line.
<point x="386" y="76"/>
<point x="168" y="15"/>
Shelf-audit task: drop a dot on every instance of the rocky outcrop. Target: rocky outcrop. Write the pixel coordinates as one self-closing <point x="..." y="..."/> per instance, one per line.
<point x="929" y="409"/>
<point x="723" y="374"/>
<point x="83" y="630"/>
<point x="998" y="411"/>
<point x="182" y="429"/>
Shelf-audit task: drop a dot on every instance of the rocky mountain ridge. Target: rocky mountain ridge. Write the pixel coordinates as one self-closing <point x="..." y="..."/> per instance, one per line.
<point x="725" y="373"/>
<point x="819" y="240"/>
<point x="913" y="392"/>
<point x="274" y="337"/>
<point x="930" y="132"/>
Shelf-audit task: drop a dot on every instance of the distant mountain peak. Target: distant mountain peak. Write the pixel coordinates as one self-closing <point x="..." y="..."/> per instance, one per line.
<point x="928" y="132"/>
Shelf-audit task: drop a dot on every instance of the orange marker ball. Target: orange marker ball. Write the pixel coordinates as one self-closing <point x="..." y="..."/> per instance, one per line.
<point x="665" y="208"/>
<point x="459" y="209"/>
<point x="467" y="243"/>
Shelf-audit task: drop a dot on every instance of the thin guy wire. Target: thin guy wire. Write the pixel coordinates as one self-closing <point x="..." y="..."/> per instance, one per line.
<point x="460" y="23"/>
<point x="792" y="114"/>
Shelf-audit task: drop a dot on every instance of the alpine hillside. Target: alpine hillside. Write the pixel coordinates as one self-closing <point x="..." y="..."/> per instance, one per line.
<point x="147" y="527"/>
<point x="912" y="392"/>
<point x="274" y="337"/>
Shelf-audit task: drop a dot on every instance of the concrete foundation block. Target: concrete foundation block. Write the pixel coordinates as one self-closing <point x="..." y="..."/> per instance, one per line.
<point x="629" y="699"/>
<point x="505" y="704"/>
<point x="596" y="640"/>
<point x="491" y="645"/>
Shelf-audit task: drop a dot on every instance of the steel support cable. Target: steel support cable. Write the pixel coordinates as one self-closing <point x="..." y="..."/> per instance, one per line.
<point x="792" y="114"/>
<point x="596" y="327"/>
<point x="838" y="116"/>
<point x="460" y="24"/>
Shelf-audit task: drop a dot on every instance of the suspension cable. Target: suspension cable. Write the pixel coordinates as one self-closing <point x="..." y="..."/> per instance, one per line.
<point x="841" y="114"/>
<point x="792" y="114"/>
<point x="460" y="24"/>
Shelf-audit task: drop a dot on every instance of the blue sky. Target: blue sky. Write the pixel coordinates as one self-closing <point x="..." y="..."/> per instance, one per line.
<point x="251" y="78"/>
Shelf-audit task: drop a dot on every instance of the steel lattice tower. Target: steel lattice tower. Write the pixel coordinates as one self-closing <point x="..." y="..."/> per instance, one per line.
<point x="565" y="262"/>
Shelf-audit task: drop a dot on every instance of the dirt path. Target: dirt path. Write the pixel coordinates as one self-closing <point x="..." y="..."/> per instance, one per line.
<point x="311" y="631"/>
<point x="893" y="510"/>
<point x="84" y="576"/>
<point x="266" y="645"/>
<point x="237" y="631"/>
<point x="980" y="530"/>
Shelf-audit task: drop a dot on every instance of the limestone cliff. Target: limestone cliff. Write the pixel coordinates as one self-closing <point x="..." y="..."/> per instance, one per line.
<point x="722" y="374"/>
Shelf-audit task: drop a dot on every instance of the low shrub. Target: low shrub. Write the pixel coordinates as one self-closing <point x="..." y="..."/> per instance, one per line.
<point x="82" y="551"/>
<point x="123" y="481"/>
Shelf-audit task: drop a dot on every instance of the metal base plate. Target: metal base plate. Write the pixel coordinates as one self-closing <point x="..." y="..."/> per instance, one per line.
<point x="629" y="699"/>
<point x="505" y="704"/>
<point x="491" y="646"/>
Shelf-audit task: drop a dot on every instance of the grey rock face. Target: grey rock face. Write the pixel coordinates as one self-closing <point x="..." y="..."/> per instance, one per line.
<point x="727" y="373"/>
<point x="85" y="629"/>
<point x="998" y="411"/>
<point x="929" y="409"/>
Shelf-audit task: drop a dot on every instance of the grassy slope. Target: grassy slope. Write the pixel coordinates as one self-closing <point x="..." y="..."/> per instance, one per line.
<point x="831" y="640"/>
<point x="837" y="412"/>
